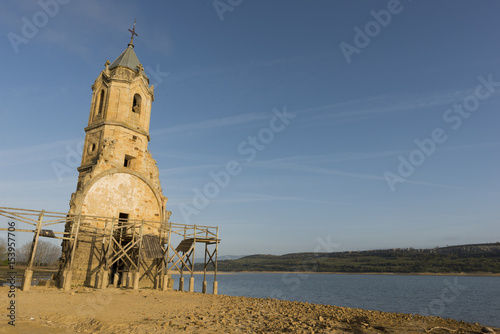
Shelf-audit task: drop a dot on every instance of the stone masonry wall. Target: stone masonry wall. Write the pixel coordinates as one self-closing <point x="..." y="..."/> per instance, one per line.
<point x="118" y="173"/>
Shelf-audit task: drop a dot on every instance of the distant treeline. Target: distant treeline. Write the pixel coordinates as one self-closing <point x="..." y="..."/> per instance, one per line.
<point x="483" y="258"/>
<point x="47" y="253"/>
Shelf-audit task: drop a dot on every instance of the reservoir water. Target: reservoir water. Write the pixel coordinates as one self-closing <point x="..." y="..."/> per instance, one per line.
<point x="468" y="298"/>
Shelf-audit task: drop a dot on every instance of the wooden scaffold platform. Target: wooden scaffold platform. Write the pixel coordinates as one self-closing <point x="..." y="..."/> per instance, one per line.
<point x="126" y="251"/>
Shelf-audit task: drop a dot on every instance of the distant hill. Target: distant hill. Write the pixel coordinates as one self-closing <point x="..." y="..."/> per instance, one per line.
<point x="219" y="258"/>
<point x="477" y="258"/>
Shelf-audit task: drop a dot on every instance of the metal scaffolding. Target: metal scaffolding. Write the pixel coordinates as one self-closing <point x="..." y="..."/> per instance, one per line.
<point x="125" y="254"/>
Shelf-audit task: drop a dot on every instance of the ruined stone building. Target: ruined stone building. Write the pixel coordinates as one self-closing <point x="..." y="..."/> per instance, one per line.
<point x="118" y="230"/>
<point x="118" y="176"/>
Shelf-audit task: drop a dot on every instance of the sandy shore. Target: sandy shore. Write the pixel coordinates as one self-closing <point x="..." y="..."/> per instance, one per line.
<point x="87" y="310"/>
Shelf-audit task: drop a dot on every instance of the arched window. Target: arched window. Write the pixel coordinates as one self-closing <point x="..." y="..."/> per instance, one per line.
<point x="101" y="103"/>
<point x="136" y="104"/>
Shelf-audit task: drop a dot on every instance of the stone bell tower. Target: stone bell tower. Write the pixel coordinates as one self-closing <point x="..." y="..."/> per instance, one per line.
<point x="118" y="176"/>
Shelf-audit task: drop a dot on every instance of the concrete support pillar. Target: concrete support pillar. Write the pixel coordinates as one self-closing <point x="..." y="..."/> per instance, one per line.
<point x="129" y="280"/>
<point x="181" y="284"/>
<point x="204" y="287"/>
<point x="137" y="276"/>
<point x="156" y="283"/>
<point x="115" y="280"/>
<point x="98" y="279"/>
<point x="164" y="284"/>
<point x="168" y="283"/>
<point x="216" y="286"/>
<point x="103" y="279"/>
<point x="67" y="280"/>
<point x="26" y="284"/>
<point x="191" y="284"/>
<point x="62" y="279"/>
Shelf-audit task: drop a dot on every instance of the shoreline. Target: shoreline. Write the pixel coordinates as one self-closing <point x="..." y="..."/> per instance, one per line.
<point x="480" y="274"/>
<point x="366" y="273"/>
<point x="144" y="311"/>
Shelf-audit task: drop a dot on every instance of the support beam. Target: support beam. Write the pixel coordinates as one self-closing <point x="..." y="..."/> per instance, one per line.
<point x="67" y="280"/>
<point x="204" y="287"/>
<point x="137" y="275"/>
<point x="110" y="244"/>
<point x="192" y="261"/>
<point x="26" y="283"/>
<point x="215" y="263"/>
<point x="28" y="274"/>
<point x="69" y="273"/>
<point x="167" y="249"/>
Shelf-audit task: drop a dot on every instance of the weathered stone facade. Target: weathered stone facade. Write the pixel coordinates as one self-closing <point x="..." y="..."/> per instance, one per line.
<point x="118" y="175"/>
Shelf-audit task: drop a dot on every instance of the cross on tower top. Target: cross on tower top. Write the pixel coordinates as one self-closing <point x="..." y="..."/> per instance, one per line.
<point x="133" y="34"/>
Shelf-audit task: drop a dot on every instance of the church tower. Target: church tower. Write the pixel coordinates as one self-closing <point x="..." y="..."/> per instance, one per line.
<point x="118" y="176"/>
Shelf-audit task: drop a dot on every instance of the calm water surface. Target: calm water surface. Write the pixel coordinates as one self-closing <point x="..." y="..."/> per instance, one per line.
<point x="469" y="298"/>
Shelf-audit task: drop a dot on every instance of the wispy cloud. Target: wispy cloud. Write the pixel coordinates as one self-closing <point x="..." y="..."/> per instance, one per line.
<point x="353" y="156"/>
<point x="310" y="164"/>
<point x="188" y="156"/>
<point x="36" y="153"/>
<point x="189" y="169"/>
<point x="472" y="146"/>
<point x="246" y="197"/>
<point x="8" y="186"/>
<point x="334" y="157"/>
<point x="367" y="108"/>
<point x="210" y="124"/>
<point x="301" y="164"/>
<point x="64" y="40"/>
<point x="245" y="67"/>
<point x="358" y="110"/>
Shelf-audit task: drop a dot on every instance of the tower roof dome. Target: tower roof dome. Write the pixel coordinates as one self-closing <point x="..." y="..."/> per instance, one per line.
<point x="128" y="58"/>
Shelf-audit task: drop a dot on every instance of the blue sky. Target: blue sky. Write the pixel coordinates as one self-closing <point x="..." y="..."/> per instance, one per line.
<point x="317" y="180"/>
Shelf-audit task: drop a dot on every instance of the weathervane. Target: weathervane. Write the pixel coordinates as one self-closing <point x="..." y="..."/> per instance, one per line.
<point x="133" y="34"/>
